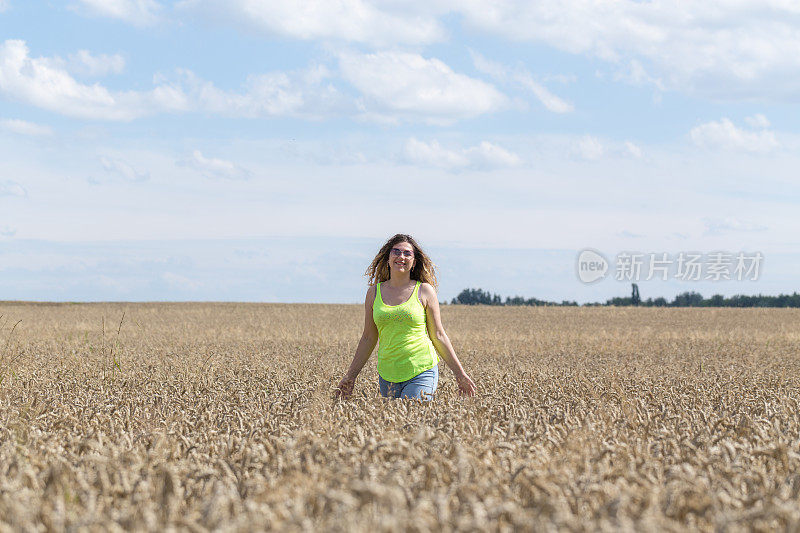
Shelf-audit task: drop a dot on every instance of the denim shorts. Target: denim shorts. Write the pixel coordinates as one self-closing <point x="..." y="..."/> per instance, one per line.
<point x="421" y="386"/>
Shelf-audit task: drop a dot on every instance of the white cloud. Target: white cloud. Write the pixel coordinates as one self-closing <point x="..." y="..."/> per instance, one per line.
<point x="433" y="154"/>
<point x="394" y="86"/>
<point x="727" y="50"/>
<point x="23" y="127"/>
<point x="7" y="231"/>
<point x="122" y="169"/>
<point x="41" y="83"/>
<point x="722" y="49"/>
<point x="361" y="21"/>
<point x="589" y="147"/>
<point x="633" y="149"/>
<point x="12" y="188"/>
<point x="136" y="12"/>
<point x="635" y="74"/>
<point x="725" y="135"/>
<point x="484" y="156"/>
<point x="757" y="121"/>
<point x="522" y="78"/>
<point x="45" y="83"/>
<point x="300" y="93"/>
<point x="718" y="226"/>
<point x="405" y="85"/>
<point x="487" y="155"/>
<point x="215" y="168"/>
<point x="4" y="5"/>
<point x="84" y="62"/>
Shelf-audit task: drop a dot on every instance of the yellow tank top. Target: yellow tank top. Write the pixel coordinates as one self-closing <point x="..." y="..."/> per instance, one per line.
<point x="404" y="347"/>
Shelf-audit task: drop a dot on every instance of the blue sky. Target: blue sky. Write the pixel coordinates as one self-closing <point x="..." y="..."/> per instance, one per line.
<point x="243" y="150"/>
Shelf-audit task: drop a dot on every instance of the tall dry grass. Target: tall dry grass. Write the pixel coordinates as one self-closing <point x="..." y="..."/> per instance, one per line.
<point x="219" y="416"/>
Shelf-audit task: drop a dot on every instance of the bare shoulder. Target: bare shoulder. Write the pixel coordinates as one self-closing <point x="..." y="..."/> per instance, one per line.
<point x="370" y="293"/>
<point x="427" y="294"/>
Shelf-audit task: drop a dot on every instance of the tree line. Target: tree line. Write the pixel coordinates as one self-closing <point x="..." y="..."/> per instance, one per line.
<point x="684" y="299"/>
<point x="481" y="297"/>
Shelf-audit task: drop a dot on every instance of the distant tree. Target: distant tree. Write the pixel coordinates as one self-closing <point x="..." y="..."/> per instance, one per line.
<point x="635" y="300"/>
<point x="687" y="299"/>
<point x="481" y="297"/>
<point x="477" y="297"/>
<point x="619" y="301"/>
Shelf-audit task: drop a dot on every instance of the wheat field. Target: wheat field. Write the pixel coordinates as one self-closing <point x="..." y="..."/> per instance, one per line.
<point x="196" y="417"/>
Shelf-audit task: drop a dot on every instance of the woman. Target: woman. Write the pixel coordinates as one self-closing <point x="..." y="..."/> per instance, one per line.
<point x="402" y="312"/>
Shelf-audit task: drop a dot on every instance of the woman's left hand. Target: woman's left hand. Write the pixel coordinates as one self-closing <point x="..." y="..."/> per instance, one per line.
<point x="345" y="388"/>
<point x="465" y="385"/>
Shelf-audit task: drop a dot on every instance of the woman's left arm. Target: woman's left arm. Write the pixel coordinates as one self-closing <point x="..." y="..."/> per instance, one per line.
<point x="441" y="341"/>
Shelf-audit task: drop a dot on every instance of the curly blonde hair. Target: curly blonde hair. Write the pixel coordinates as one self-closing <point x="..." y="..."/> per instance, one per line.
<point x="423" y="269"/>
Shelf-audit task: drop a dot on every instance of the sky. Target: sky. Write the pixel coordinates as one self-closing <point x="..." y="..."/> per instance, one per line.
<point x="246" y="150"/>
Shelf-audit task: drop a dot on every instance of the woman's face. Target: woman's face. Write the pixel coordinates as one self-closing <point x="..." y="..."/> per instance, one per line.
<point x="401" y="257"/>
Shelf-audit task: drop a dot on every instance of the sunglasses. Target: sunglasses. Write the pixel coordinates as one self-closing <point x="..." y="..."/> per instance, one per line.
<point x="397" y="252"/>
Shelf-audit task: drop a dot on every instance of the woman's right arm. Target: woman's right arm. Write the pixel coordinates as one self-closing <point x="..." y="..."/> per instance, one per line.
<point x="365" y="346"/>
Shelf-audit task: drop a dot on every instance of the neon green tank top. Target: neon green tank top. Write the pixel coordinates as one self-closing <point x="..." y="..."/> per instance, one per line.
<point x="404" y="347"/>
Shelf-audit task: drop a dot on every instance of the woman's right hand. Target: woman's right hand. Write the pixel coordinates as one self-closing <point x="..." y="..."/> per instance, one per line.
<point x="345" y="388"/>
<point x="465" y="385"/>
